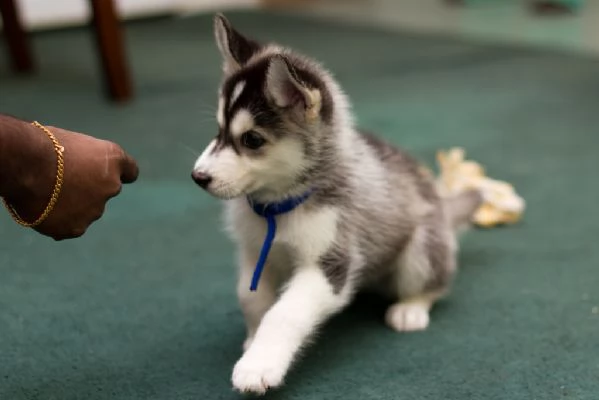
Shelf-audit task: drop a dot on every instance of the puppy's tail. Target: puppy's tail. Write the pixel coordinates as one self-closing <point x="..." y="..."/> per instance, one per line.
<point x="461" y="208"/>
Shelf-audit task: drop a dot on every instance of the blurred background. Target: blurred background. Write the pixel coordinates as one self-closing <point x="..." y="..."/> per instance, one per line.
<point x="561" y="24"/>
<point x="520" y="20"/>
<point x="143" y="306"/>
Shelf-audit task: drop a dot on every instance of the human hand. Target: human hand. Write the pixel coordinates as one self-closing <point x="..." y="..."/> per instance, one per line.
<point x="94" y="171"/>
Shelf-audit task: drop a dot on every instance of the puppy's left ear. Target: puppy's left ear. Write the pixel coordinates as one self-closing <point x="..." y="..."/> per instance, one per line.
<point x="235" y="48"/>
<point x="287" y="91"/>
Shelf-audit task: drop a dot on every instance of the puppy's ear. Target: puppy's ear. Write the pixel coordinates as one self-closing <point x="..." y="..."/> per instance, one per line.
<point x="286" y="90"/>
<point x="235" y="48"/>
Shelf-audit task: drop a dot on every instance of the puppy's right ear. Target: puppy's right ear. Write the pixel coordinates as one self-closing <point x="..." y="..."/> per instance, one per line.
<point x="235" y="48"/>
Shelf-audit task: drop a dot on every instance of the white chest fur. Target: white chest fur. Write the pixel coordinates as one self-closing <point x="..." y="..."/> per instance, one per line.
<point x="306" y="233"/>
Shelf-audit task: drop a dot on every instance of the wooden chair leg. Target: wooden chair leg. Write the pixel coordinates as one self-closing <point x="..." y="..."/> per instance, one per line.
<point x="18" y="44"/>
<point x="111" y="49"/>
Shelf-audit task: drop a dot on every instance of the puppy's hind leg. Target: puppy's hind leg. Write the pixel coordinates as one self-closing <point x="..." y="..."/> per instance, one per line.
<point x="411" y="314"/>
<point x="425" y="271"/>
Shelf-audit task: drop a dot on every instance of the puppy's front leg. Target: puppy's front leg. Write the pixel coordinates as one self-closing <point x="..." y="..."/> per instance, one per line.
<point x="254" y="304"/>
<point x="308" y="300"/>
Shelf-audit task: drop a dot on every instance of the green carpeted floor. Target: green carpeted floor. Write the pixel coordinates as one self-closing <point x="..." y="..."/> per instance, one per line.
<point x="143" y="306"/>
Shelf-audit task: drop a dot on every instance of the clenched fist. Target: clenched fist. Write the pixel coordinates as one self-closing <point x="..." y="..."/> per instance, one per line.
<point x="94" y="171"/>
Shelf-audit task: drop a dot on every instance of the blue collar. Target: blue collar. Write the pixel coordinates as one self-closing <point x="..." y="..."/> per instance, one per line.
<point x="269" y="211"/>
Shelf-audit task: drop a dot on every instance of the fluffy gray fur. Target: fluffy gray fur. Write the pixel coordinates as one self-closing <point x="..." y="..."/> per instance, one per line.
<point x="392" y="231"/>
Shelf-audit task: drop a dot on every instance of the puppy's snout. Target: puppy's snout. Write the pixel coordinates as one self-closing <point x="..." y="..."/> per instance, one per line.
<point x="201" y="178"/>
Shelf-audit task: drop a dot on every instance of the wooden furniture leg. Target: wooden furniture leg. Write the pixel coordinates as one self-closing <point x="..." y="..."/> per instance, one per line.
<point x="18" y="45"/>
<point x="111" y="50"/>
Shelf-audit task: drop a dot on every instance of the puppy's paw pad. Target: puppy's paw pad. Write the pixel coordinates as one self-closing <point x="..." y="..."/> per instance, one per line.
<point x="252" y="375"/>
<point x="407" y="317"/>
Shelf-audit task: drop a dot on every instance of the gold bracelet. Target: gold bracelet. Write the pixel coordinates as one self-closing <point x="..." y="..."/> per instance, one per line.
<point x="57" y="185"/>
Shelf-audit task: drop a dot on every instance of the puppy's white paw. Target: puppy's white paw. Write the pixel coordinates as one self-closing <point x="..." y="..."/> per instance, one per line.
<point x="256" y="373"/>
<point x="406" y="317"/>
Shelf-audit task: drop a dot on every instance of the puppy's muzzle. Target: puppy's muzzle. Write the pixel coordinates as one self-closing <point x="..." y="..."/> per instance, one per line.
<point x="201" y="178"/>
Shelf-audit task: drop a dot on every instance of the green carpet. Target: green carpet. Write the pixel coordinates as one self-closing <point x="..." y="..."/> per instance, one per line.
<point x="143" y="307"/>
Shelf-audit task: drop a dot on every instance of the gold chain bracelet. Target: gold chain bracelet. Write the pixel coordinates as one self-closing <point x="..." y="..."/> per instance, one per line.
<point x="57" y="185"/>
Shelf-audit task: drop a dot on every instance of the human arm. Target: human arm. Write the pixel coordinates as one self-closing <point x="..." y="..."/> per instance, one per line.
<point x="94" y="171"/>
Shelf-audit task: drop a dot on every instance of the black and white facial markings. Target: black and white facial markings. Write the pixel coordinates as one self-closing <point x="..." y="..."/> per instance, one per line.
<point x="270" y="106"/>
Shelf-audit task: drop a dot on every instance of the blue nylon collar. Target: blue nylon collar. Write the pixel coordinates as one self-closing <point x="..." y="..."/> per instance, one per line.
<point x="269" y="211"/>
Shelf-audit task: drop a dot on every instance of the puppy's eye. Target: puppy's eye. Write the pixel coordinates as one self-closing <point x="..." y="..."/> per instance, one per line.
<point x="252" y="140"/>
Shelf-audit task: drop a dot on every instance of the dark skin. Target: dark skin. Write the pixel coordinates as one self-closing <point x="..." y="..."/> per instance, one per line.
<point x="94" y="173"/>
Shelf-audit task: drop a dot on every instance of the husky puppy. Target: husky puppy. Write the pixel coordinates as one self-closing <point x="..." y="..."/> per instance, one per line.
<point x="360" y="213"/>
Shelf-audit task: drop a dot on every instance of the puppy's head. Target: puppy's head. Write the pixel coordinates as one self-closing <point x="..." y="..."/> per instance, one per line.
<point x="274" y="108"/>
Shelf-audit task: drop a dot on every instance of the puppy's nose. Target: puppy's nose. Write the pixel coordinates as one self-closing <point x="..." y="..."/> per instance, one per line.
<point x="201" y="178"/>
